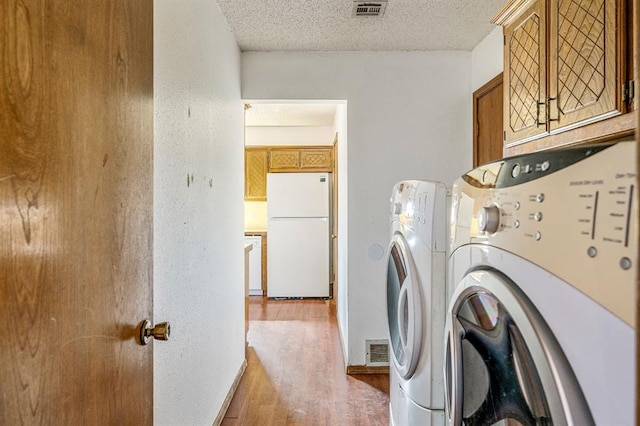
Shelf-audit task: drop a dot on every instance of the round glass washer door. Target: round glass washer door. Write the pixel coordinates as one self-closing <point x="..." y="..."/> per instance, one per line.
<point x="503" y="366"/>
<point x="404" y="307"/>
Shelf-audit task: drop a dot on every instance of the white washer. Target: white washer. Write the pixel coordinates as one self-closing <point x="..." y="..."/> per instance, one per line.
<point x="416" y="279"/>
<point x="540" y="324"/>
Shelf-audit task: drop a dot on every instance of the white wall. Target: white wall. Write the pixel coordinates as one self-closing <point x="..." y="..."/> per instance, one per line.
<point x="409" y="116"/>
<point x="340" y="128"/>
<point x="255" y="216"/>
<point x="487" y="59"/>
<point x="288" y="135"/>
<point x="198" y="211"/>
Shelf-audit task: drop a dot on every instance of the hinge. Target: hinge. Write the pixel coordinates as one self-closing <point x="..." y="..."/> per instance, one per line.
<point x="628" y="92"/>
<point x="504" y="40"/>
<point x="504" y="135"/>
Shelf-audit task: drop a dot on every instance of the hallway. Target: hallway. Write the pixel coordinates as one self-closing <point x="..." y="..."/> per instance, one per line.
<point x="295" y="373"/>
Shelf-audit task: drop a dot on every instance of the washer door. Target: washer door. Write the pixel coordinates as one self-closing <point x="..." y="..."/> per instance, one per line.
<point x="502" y="363"/>
<point x="404" y="308"/>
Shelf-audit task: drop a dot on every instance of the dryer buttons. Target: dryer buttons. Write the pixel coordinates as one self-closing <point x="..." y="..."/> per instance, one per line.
<point x="537" y="198"/>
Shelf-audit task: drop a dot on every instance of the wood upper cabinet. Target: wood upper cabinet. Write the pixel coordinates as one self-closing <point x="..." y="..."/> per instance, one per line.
<point x="525" y="74"/>
<point x="564" y="65"/>
<point x="586" y="63"/>
<point x="300" y="159"/>
<point x="259" y="161"/>
<point x="319" y="160"/>
<point x="255" y="174"/>
<point x="284" y="159"/>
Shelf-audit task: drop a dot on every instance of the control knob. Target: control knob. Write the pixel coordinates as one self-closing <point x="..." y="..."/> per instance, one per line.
<point x="489" y="219"/>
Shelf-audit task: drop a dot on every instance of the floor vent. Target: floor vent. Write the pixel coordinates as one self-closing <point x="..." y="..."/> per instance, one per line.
<point x="368" y="9"/>
<point x="377" y="352"/>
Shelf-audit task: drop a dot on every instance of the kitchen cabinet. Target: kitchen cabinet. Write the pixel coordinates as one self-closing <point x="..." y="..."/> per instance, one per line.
<point x="255" y="174"/>
<point x="565" y="65"/>
<point x="298" y="160"/>
<point x="286" y="159"/>
<point x="316" y="160"/>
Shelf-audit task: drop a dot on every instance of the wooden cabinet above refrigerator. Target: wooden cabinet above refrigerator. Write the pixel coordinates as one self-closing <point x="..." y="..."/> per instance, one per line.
<point x="258" y="161"/>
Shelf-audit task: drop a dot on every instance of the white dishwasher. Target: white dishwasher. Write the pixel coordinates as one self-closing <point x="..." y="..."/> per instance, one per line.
<point x="255" y="264"/>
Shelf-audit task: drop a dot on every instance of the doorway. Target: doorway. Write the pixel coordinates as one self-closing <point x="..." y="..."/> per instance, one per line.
<point x="295" y="137"/>
<point x="308" y="125"/>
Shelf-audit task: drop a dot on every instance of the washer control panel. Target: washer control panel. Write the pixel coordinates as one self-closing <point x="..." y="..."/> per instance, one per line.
<point x="573" y="212"/>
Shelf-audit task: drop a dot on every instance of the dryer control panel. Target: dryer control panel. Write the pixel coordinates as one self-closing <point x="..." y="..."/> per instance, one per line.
<point x="573" y="212"/>
<point x="420" y="205"/>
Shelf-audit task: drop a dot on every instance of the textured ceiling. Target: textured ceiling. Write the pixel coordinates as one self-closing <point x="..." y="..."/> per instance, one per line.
<point x="327" y="25"/>
<point x="290" y="114"/>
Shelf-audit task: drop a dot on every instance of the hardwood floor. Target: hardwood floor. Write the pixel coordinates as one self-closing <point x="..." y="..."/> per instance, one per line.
<point x="295" y="373"/>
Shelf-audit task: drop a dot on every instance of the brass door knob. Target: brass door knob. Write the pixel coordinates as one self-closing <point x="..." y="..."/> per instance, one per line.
<point x="159" y="332"/>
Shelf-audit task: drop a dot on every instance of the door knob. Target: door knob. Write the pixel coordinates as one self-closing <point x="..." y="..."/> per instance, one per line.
<point x="159" y="332"/>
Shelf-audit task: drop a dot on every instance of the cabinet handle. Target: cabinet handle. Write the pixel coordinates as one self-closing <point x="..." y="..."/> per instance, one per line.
<point x="538" y="105"/>
<point x="549" y="109"/>
<point x="547" y="112"/>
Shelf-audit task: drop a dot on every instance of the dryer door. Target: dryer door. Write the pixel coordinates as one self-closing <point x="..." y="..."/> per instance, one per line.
<point x="404" y="307"/>
<point x="502" y="363"/>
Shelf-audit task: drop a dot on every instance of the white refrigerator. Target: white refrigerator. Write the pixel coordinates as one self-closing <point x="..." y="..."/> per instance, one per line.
<point x="298" y="234"/>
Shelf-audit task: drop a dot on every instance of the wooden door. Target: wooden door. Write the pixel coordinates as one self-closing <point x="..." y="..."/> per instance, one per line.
<point x="585" y="50"/>
<point x="76" y="136"/>
<point x="525" y="75"/>
<point x="487" y="122"/>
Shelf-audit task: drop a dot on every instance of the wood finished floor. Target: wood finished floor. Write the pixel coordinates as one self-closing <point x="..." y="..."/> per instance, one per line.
<point x="295" y="373"/>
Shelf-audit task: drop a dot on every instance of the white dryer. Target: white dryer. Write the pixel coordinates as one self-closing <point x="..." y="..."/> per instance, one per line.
<point x="416" y="302"/>
<point x="540" y="324"/>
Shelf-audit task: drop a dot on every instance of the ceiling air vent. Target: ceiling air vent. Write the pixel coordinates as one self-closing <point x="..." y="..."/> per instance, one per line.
<point x="368" y="9"/>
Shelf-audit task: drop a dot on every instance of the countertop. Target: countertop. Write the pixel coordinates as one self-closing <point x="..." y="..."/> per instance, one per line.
<point x="255" y="231"/>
